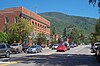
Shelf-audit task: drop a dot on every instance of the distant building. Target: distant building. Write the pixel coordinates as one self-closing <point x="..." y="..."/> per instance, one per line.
<point x="69" y="39"/>
<point x="54" y="37"/>
<point x="9" y="16"/>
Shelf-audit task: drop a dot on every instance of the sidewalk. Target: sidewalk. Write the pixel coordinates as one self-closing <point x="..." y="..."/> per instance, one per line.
<point x="45" y="48"/>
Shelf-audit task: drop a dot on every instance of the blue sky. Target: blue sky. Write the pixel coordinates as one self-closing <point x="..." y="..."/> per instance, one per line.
<point x="70" y="7"/>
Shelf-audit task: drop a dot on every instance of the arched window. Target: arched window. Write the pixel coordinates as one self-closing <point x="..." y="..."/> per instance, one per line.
<point x="6" y="24"/>
<point x="6" y="20"/>
<point x="33" y="22"/>
<point x="15" y="19"/>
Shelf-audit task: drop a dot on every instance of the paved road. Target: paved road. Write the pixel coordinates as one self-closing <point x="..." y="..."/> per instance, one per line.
<point x="78" y="56"/>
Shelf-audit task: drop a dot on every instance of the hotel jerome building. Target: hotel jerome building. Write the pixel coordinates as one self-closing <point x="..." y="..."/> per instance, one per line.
<point x="10" y="16"/>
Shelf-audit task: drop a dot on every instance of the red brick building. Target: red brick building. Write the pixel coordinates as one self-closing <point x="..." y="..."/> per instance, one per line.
<point x="10" y="16"/>
<point x="54" y="37"/>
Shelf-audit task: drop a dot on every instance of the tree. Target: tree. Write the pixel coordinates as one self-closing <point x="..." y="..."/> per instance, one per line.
<point x="75" y="34"/>
<point x="6" y="29"/>
<point x="3" y="37"/>
<point x="54" y="30"/>
<point x="20" y="30"/>
<point x="96" y="35"/>
<point x="97" y="27"/>
<point x="59" y="40"/>
<point x="53" y="40"/>
<point x="41" y="39"/>
<point x="93" y="2"/>
<point x="64" y="33"/>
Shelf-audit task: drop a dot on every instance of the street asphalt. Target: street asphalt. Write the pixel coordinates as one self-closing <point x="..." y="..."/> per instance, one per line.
<point x="78" y="56"/>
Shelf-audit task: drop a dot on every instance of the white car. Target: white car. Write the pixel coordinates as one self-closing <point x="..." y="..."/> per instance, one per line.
<point x="95" y="46"/>
<point x="54" y="46"/>
<point x="16" y="47"/>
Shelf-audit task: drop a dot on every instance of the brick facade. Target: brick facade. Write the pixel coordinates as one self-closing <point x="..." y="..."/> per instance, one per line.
<point x="9" y="16"/>
<point x="55" y="37"/>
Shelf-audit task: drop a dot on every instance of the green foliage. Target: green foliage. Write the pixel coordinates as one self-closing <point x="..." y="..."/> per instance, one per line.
<point x="97" y="27"/>
<point x="92" y="38"/>
<point x="59" y="40"/>
<point x="53" y="41"/>
<point x="96" y="35"/>
<point x="41" y="39"/>
<point x="64" y="32"/>
<point x="94" y="2"/>
<point x="20" y="30"/>
<point x="54" y="31"/>
<point x="98" y="38"/>
<point x="14" y="37"/>
<point x="3" y="37"/>
<point x="75" y="34"/>
<point x="60" y="21"/>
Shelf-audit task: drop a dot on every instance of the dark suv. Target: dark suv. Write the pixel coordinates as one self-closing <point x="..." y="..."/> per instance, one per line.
<point x="98" y="53"/>
<point x="5" y="49"/>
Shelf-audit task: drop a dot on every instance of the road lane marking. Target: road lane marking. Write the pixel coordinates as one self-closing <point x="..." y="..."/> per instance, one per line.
<point x="49" y="53"/>
<point x="15" y="62"/>
<point x="4" y="62"/>
<point x="9" y="63"/>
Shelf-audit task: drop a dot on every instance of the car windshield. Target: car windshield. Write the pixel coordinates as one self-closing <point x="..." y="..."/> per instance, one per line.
<point x="61" y="44"/>
<point x="14" y="45"/>
<point x="32" y="46"/>
<point x="2" y="46"/>
<point x="55" y="45"/>
<point x="97" y="44"/>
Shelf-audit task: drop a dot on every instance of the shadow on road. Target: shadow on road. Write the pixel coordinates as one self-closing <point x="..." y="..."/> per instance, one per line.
<point x="58" y="60"/>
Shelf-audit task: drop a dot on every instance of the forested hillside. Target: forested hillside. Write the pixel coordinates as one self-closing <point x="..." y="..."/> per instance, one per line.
<point x="61" y="21"/>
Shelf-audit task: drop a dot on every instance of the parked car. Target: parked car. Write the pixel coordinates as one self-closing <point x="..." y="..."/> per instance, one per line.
<point x="75" y="45"/>
<point x="62" y="47"/>
<point x="34" y="49"/>
<point x="5" y="50"/>
<point x="72" y="45"/>
<point x="93" y="49"/>
<point x="50" y="45"/>
<point x="98" y="53"/>
<point x="16" y="47"/>
<point x="54" y="46"/>
<point x="67" y="45"/>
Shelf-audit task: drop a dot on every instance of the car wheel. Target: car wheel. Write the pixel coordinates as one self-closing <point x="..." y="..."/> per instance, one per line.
<point x="16" y="52"/>
<point x="36" y="51"/>
<point x="7" y="54"/>
<point x="25" y="51"/>
<point x="19" y="51"/>
<point x="57" y="51"/>
<point x="68" y="48"/>
<point x="40" y="50"/>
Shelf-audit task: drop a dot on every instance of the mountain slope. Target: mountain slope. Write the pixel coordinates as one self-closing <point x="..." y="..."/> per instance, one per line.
<point x="61" y="20"/>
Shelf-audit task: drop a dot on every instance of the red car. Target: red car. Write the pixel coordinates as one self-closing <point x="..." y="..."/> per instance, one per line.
<point x="62" y="47"/>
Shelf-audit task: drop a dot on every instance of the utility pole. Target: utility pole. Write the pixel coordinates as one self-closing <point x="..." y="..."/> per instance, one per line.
<point x="36" y="10"/>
